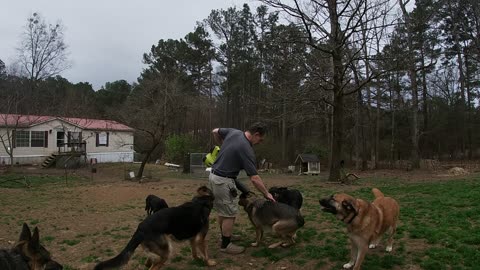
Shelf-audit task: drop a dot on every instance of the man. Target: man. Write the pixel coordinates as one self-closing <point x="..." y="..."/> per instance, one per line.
<point x="235" y="154"/>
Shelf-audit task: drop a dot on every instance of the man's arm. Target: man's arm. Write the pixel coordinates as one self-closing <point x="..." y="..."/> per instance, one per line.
<point x="258" y="183"/>
<point x="217" y="136"/>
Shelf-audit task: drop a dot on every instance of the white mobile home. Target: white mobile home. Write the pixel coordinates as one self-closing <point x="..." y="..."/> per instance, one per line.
<point x="34" y="138"/>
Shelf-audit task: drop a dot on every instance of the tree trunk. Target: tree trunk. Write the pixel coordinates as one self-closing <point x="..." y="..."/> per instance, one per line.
<point x="11" y="159"/>
<point x="210" y="106"/>
<point x="337" y="142"/>
<point x="360" y="144"/>
<point x="377" y="127"/>
<point x="337" y="117"/>
<point x="426" y="148"/>
<point x="392" y="142"/>
<point x="358" y="127"/>
<point x="469" y="108"/>
<point x="145" y="160"/>
<point x="461" y="72"/>
<point x="414" y="158"/>
<point x="424" y="93"/>
<point x="372" y="129"/>
<point x="284" y="130"/>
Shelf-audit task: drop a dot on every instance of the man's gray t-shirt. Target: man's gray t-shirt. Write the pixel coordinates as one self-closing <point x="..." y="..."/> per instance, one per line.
<point x="236" y="153"/>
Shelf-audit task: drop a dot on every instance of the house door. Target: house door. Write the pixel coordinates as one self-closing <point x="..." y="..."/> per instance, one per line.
<point x="60" y="138"/>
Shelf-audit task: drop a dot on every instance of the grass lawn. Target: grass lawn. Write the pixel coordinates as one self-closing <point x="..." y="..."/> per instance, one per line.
<point x="87" y="221"/>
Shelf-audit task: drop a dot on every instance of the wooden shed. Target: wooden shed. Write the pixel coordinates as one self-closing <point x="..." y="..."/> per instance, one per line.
<point x="307" y="164"/>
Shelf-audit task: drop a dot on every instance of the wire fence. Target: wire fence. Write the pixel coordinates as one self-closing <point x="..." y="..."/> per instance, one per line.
<point x="197" y="167"/>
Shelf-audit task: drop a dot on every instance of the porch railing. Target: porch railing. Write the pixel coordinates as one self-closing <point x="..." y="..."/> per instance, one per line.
<point x="80" y="148"/>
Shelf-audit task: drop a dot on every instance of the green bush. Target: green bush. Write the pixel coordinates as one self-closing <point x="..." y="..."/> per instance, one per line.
<point x="177" y="146"/>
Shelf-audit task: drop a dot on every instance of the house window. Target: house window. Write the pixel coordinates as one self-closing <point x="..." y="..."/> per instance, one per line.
<point x="102" y="139"/>
<point x="22" y="138"/>
<point x="74" y="137"/>
<point x="38" y="139"/>
<point x="60" y="138"/>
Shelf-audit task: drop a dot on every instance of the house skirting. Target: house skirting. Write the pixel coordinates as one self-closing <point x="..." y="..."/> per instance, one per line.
<point x="107" y="157"/>
<point x="23" y="159"/>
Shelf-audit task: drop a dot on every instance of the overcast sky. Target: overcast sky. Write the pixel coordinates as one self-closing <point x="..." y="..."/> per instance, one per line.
<point x="107" y="38"/>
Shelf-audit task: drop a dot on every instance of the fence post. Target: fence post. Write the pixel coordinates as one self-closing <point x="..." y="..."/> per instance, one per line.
<point x="186" y="163"/>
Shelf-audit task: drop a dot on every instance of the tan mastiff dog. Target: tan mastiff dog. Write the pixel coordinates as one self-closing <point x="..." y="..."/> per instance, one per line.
<point x="366" y="222"/>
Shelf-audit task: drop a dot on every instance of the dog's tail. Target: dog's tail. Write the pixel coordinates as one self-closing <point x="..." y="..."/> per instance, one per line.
<point x="377" y="193"/>
<point x="148" y="203"/>
<point x="124" y="256"/>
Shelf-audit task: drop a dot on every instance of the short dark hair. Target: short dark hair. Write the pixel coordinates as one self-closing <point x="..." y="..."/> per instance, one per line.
<point x="259" y="127"/>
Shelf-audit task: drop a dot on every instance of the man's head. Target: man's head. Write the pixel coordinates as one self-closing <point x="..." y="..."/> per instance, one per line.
<point x="257" y="133"/>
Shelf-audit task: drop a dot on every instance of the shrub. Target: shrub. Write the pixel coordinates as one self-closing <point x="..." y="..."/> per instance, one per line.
<point x="177" y="146"/>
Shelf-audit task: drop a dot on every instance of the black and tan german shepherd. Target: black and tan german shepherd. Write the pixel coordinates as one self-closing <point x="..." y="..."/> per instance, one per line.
<point x="27" y="254"/>
<point x="282" y="219"/>
<point x="187" y="221"/>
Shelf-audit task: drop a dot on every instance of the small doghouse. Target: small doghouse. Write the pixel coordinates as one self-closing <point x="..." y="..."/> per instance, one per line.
<point x="307" y="164"/>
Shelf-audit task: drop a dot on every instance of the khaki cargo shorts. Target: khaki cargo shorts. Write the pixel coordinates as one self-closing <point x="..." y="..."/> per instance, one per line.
<point x="225" y="204"/>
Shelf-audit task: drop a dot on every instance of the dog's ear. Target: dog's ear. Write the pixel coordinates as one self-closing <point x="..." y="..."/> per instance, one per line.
<point x="26" y="234"/>
<point x="204" y="191"/>
<point x="34" y="243"/>
<point x="349" y="205"/>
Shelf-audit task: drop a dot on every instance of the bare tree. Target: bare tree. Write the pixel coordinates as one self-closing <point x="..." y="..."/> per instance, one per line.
<point x="3" y="70"/>
<point x="412" y="73"/>
<point x="42" y="51"/>
<point x="11" y="125"/>
<point x="152" y="110"/>
<point x="331" y="28"/>
<point x="11" y="99"/>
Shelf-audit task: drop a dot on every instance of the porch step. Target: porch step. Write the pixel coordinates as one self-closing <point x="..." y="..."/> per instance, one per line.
<point x="49" y="161"/>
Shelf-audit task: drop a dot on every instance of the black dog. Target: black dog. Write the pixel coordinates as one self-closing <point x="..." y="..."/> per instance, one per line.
<point x="187" y="221"/>
<point x="292" y="197"/>
<point x="154" y="203"/>
<point x="28" y="254"/>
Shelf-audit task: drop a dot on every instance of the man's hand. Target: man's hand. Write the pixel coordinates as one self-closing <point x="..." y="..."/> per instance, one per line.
<point x="270" y="197"/>
<point x="217" y="136"/>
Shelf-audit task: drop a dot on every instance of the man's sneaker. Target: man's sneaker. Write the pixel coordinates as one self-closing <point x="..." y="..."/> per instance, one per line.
<point x="233" y="249"/>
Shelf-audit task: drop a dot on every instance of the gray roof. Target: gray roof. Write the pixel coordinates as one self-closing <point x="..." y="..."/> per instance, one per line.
<point x="308" y="158"/>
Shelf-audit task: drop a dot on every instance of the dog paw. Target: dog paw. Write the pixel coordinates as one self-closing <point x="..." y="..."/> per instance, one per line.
<point x="389" y="249"/>
<point x="348" y="265"/>
<point x="254" y="244"/>
<point x="211" y="262"/>
<point x="371" y="246"/>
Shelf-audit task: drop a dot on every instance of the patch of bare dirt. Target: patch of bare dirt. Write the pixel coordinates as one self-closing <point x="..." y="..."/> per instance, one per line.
<point x="93" y="220"/>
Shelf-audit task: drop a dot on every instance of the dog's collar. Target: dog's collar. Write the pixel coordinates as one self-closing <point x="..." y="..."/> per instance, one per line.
<point x="355" y="214"/>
